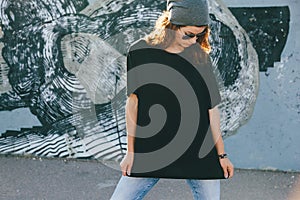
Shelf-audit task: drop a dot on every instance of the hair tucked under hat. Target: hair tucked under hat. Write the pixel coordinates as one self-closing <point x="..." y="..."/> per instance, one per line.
<point x="188" y="12"/>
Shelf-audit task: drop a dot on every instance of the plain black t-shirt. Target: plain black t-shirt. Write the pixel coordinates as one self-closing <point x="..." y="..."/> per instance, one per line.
<point x="174" y="95"/>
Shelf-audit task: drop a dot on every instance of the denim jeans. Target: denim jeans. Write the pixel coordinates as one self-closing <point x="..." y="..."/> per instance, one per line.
<point x="131" y="188"/>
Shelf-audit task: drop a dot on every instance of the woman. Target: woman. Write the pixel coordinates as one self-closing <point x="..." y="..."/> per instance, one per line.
<point x="180" y="35"/>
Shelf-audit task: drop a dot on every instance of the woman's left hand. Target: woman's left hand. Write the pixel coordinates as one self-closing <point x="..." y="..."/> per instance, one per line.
<point x="227" y="166"/>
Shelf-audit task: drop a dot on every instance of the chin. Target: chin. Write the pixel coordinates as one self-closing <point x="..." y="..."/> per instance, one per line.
<point x="185" y="45"/>
<point x="188" y="45"/>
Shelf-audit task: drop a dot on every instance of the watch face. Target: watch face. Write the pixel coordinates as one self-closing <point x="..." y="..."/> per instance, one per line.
<point x="223" y="156"/>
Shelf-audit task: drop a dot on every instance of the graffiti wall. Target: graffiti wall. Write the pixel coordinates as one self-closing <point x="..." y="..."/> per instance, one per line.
<point x="63" y="70"/>
<point x="270" y="138"/>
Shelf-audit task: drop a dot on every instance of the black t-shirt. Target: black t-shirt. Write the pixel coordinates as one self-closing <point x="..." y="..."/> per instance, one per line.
<point x="173" y="137"/>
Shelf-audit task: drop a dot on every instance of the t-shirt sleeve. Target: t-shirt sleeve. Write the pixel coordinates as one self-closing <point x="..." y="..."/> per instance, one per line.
<point x="212" y="84"/>
<point x="132" y="77"/>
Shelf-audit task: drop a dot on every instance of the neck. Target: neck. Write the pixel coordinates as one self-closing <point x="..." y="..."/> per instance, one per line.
<point x="173" y="48"/>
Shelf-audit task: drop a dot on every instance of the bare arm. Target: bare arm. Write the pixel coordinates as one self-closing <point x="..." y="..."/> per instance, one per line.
<point x="131" y="119"/>
<point x="131" y="109"/>
<point x="214" y="117"/>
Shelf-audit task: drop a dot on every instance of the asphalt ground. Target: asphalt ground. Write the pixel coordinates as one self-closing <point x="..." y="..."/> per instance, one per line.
<point x="31" y="178"/>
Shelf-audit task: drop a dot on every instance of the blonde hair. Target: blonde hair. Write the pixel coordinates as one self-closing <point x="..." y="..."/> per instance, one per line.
<point x="164" y="33"/>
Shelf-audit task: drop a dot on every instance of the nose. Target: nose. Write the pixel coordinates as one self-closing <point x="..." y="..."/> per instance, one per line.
<point x="194" y="40"/>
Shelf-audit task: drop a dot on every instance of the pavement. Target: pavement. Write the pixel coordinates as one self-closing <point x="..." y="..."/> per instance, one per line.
<point x="32" y="178"/>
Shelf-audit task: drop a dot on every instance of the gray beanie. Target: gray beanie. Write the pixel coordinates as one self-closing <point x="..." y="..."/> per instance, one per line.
<point x="188" y="12"/>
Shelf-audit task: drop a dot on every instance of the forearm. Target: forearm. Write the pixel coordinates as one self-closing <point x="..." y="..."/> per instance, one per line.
<point x="131" y="119"/>
<point x="214" y="117"/>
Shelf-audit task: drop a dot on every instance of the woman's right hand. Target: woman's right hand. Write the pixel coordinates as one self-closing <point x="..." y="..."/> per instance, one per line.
<point x="126" y="163"/>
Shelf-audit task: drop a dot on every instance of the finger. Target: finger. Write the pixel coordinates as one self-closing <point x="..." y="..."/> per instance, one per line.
<point x="231" y="171"/>
<point x="225" y="172"/>
<point x="124" y="170"/>
<point x="129" y="170"/>
<point x="124" y="173"/>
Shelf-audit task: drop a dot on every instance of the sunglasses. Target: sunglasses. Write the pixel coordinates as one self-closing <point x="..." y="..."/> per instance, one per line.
<point x="188" y="36"/>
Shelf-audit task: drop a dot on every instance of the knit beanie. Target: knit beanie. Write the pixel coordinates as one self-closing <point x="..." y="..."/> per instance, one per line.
<point x="188" y="12"/>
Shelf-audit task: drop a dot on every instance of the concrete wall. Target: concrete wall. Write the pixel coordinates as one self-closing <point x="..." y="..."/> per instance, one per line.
<point x="270" y="139"/>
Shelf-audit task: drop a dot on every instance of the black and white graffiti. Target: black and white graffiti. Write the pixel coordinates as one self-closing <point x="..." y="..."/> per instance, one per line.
<point x="65" y="61"/>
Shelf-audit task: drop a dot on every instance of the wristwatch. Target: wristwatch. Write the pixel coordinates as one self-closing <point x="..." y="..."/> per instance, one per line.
<point x="222" y="156"/>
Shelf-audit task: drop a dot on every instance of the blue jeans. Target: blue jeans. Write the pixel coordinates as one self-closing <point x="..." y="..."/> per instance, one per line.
<point x="131" y="188"/>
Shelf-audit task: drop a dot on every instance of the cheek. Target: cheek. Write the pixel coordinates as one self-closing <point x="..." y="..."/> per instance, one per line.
<point x="178" y="36"/>
<point x="179" y="39"/>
